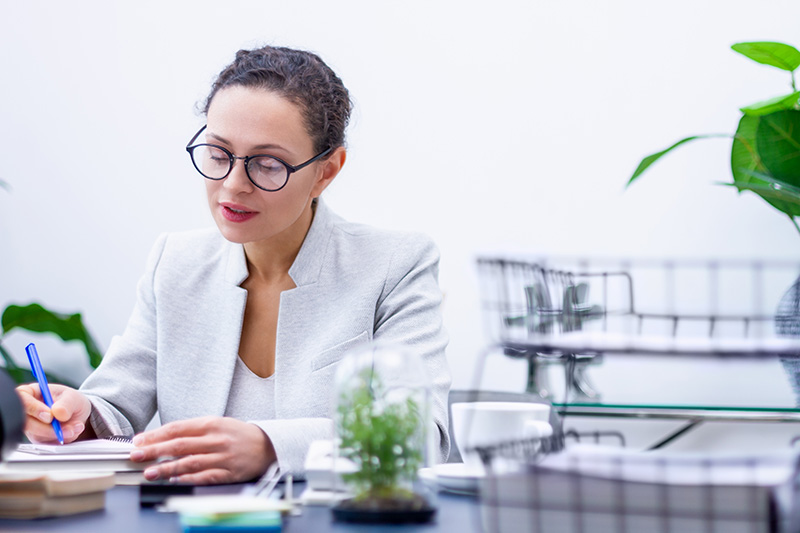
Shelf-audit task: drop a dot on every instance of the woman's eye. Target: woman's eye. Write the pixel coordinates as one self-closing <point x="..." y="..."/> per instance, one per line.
<point x="266" y="165"/>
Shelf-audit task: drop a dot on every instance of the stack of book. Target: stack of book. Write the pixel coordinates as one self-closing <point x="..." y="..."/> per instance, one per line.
<point x="29" y="495"/>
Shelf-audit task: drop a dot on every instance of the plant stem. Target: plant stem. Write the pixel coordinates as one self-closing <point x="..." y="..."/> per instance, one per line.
<point x="795" y="224"/>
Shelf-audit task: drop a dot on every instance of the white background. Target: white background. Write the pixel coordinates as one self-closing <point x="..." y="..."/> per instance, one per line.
<point x="491" y="126"/>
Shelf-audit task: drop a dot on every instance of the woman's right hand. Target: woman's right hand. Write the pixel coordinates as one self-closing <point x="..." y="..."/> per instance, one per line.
<point x="70" y="407"/>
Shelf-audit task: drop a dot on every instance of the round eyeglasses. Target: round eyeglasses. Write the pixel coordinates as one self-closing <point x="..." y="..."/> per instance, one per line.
<point x="267" y="172"/>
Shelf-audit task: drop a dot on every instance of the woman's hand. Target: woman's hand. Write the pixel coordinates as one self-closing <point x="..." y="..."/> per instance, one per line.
<point x="70" y="407"/>
<point x="205" y="450"/>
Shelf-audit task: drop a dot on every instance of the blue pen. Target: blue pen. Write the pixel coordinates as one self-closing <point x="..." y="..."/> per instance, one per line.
<point x="38" y="373"/>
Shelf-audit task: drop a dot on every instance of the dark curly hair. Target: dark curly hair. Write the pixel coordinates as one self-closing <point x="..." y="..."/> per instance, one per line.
<point x="301" y="77"/>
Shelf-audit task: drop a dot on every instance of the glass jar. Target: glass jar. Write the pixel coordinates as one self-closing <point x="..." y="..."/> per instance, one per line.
<point x="384" y="436"/>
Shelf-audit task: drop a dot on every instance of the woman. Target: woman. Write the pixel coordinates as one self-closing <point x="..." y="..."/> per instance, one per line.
<point x="236" y="333"/>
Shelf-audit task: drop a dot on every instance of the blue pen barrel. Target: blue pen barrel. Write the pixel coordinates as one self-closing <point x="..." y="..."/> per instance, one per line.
<point x="44" y="387"/>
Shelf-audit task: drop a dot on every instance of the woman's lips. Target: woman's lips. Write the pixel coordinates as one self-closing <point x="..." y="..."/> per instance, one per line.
<point x="236" y="213"/>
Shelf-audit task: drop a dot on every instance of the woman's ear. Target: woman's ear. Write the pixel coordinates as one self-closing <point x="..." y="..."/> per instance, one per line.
<point x="330" y="168"/>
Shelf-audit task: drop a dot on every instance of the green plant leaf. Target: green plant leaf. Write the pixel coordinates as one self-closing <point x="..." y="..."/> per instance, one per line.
<point x="780" y="55"/>
<point x="779" y="103"/>
<point x="776" y="183"/>
<point x="34" y="317"/>
<point x="744" y="156"/>
<point x="784" y="200"/>
<point x="778" y="145"/>
<point x="652" y="158"/>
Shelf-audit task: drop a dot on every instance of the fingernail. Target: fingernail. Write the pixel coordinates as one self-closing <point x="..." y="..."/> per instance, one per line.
<point x="79" y="429"/>
<point x="45" y="416"/>
<point x="174" y="479"/>
<point x="151" y="474"/>
<point x="137" y="455"/>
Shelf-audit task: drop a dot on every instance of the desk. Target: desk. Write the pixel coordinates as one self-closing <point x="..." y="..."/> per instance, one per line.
<point x="123" y="515"/>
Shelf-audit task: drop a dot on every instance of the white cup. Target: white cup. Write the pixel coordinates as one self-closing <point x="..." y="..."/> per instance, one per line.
<point x="490" y="423"/>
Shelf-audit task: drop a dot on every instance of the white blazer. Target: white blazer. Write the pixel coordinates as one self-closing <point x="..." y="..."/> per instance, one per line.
<point x="353" y="283"/>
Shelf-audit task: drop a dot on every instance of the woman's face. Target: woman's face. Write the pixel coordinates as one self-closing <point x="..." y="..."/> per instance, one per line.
<point x="250" y="121"/>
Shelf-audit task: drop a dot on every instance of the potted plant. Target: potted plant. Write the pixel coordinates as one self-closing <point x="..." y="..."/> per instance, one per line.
<point x="765" y="159"/>
<point x="381" y="419"/>
<point x="36" y="318"/>
<point x="765" y="153"/>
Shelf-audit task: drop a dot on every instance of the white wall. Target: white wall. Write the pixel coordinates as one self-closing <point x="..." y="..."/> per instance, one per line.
<point x="504" y="125"/>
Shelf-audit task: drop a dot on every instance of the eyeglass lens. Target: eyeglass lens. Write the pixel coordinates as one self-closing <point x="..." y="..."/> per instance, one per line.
<point x="265" y="171"/>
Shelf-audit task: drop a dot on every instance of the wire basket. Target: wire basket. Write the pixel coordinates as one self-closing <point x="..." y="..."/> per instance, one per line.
<point x="676" y="307"/>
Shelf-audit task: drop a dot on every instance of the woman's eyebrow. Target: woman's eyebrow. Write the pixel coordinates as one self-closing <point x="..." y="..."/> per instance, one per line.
<point x="258" y="147"/>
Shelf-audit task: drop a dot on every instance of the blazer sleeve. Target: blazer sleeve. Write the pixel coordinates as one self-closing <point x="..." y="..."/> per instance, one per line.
<point x="122" y="389"/>
<point x="409" y="314"/>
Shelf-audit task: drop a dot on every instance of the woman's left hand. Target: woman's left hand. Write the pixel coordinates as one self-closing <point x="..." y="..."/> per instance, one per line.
<point x="204" y="451"/>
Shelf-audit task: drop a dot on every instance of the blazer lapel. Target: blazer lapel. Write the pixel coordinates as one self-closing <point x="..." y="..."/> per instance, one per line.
<point x="223" y="332"/>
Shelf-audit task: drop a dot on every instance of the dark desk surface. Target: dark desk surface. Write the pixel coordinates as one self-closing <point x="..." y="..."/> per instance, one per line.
<point x="123" y="515"/>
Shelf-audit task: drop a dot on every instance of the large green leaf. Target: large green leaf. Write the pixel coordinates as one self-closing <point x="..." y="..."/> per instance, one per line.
<point x="34" y="317"/>
<point x="652" y="158"/>
<point x="780" y="55"/>
<point x="779" y="103"/>
<point x="749" y="172"/>
<point x="778" y="145"/>
<point x="784" y="200"/>
<point x="744" y="155"/>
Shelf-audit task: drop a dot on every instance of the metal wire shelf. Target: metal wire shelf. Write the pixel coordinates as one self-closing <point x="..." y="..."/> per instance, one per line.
<point x="714" y="307"/>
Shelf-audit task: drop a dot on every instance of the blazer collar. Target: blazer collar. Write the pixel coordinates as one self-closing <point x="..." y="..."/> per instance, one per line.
<point x="308" y="263"/>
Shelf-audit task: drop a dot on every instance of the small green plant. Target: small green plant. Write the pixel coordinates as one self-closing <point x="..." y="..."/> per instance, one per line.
<point x="765" y="154"/>
<point x="33" y="317"/>
<point x="382" y="438"/>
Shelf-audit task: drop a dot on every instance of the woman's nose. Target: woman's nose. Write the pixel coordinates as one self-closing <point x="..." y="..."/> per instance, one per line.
<point x="237" y="178"/>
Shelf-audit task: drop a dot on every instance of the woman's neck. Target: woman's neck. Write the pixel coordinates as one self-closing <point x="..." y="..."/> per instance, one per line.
<point x="271" y="259"/>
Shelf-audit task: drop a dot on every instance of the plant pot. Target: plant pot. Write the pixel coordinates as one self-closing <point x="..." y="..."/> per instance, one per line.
<point x="385" y="511"/>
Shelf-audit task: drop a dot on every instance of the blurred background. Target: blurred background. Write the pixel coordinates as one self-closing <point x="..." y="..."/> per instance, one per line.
<point x="504" y="126"/>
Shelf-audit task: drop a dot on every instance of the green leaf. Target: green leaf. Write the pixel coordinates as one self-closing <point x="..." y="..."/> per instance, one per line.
<point x="784" y="200"/>
<point x="652" y="158"/>
<point x="744" y="156"/>
<point x="34" y="317"/>
<point x="780" y="55"/>
<point x="778" y="145"/>
<point x="779" y="103"/>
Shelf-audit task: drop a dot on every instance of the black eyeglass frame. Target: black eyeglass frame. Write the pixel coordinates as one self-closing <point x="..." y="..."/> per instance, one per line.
<point x="290" y="169"/>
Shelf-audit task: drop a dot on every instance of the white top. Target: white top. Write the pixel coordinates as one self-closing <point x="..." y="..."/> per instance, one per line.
<point x="252" y="397"/>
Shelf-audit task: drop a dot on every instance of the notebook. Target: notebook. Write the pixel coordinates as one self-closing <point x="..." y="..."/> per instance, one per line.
<point x="99" y="455"/>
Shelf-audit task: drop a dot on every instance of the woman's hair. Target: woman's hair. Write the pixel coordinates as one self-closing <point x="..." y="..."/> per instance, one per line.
<point x="301" y="77"/>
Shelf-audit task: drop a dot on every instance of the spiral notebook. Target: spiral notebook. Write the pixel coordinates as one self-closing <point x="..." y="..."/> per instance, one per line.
<point x="98" y="455"/>
<point x="116" y="445"/>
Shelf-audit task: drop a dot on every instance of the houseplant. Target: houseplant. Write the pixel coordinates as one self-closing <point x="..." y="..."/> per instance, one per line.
<point x="382" y="419"/>
<point x="765" y="159"/>
<point x="36" y="318"/>
<point x="765" y="152"/>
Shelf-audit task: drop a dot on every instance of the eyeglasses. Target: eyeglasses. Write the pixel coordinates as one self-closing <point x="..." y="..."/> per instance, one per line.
<point x="267" y="172"/>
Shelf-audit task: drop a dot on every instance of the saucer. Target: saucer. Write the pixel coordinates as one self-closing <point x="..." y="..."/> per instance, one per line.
<point x="457" y="478"/>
